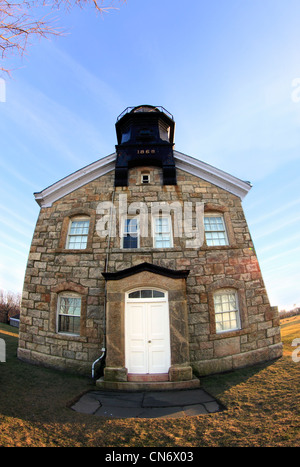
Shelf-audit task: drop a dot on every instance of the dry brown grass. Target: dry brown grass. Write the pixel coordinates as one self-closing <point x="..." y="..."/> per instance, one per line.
<point x="262" y="408"/>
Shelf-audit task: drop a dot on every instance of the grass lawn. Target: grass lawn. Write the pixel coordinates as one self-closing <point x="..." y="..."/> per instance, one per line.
<point x="262" y="407"/>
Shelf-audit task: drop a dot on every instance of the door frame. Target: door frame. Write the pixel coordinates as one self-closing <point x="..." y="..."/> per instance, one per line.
<point x="163" y="300"/>
<point x="146" y="275"/>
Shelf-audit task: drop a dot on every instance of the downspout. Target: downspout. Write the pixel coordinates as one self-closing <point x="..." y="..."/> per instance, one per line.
<point x="96" y="361"/>
<point x="103" y="350"/>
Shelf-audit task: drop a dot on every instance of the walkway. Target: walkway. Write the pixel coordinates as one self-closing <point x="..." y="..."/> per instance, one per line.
<point x="154" y="404"/>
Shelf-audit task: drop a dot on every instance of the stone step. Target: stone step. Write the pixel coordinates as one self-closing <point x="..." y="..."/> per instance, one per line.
<point x="148" y="377"/>
<point x="147" y="385"/>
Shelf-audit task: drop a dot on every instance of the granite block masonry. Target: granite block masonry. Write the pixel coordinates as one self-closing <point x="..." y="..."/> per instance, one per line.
<point x="81" y="297"/>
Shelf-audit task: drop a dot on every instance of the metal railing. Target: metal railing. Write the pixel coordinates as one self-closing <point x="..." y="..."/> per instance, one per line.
<point x="150" y="108"/>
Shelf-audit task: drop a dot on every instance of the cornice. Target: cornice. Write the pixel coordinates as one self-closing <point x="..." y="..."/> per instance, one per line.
<point x="48" y="196"/>
<point x="211" y="174"/>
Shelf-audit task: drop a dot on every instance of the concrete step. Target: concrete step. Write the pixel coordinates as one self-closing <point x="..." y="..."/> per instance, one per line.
<point x="147" y="385"/>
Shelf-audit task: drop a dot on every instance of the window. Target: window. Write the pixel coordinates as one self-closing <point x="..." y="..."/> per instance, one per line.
<point x="78" y="233"/>
<point x="69" y="311"/>
<point x="162" y="232"/>
<point x="215" y="232"/>
<point x="146" y="293"/>
<point x="227" y="314"/>
<point x="145" y="178"/>
<point x="130" y="233"/>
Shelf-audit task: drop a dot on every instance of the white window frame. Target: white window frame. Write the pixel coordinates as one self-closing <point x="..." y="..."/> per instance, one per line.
<point x="147" y="175"/>
<point x="124" y="219"/>
<point x="67" y="295"/>
<point x="71" y="235"/>
<point x="169" y="232"/>
<point x="224" y="231"/>
<point x="163" y="298"/>
<point x="228" y="312"/>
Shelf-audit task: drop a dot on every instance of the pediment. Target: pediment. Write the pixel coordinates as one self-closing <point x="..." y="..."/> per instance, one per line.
<point x="204" y="171"/>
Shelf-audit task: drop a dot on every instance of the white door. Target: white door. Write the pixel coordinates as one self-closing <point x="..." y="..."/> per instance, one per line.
<point x="147" y="333"/>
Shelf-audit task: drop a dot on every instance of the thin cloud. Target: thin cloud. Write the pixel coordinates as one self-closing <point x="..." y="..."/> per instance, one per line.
<point x="288" y="240"/>
<point x="14" y="250"/>
<point x="100" y="91"/>
<point x="12" y="213"/>
<point x="16" y="174"/>
<point x="283" y="254"/>
<point x="276" y="212"/>
<point x="14" y="241"/>
<point x="280" y="224"/>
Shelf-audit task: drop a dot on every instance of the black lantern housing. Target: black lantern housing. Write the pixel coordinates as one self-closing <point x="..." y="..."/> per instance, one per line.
<point x="145" y="137"/>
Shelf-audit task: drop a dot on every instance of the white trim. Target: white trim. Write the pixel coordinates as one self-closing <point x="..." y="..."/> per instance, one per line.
<point x="143" y="346"/>
<point x="222" y="292"/>
<point x="75" y="219"/>
<point x="212" y="174"/>
<point x="67" y="294"/>
<point x="123" y="221"/>
<point x="152" y="299"/>
<point x="147" y="175"/>
<point x="221" y="216"/>
<point x="154" y="233"/>
<point x="48" y="196"/>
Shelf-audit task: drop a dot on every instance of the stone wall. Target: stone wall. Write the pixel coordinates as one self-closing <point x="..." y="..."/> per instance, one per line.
<point x="51" y="268"/>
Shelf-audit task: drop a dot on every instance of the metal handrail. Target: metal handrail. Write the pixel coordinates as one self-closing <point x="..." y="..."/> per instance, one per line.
<point x="155" y="108"/>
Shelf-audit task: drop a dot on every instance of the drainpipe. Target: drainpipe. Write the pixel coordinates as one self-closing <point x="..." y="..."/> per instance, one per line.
<point x="106" y="265"/>
<point x="96" y="361"/>
<point x="103" y="350"/>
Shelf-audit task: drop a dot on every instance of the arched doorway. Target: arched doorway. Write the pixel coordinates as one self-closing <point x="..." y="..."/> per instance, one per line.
<point x="147" y="332"/>
<point x="168" y="313"/>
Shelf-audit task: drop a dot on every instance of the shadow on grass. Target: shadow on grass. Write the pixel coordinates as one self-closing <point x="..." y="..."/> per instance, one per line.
<point x="33" y="392"/>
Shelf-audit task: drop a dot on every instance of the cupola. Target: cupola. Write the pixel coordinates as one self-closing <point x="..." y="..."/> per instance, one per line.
<point x="145" y="136"/>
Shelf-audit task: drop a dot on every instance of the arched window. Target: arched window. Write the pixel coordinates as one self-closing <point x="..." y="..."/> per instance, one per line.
<point x="68" y="313"/>
<point x="215" y="230"/>
<point x="78" y="233"/>
<point x="227" y="313"/>
<point x="146" y="293"/>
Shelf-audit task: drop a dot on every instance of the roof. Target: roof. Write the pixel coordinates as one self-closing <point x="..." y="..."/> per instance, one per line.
<point x="234" y="185"/>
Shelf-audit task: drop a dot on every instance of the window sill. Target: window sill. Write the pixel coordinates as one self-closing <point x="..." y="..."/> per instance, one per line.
<point x="218" y="247"/>
<point x="226" y="334"/>
<point x="149" y="249"/>
<point x="146" y="249"/>
<point x="69" y="337"/>
<point x="70" y="251"/>
<point x="69" y="334"/>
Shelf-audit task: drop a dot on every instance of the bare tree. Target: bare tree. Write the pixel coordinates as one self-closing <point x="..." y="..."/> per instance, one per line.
<point x="9" y="305"/>
<point x="20" y="21"/>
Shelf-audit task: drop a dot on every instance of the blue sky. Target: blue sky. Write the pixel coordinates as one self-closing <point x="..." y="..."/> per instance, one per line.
<point x="226" y="69"/>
